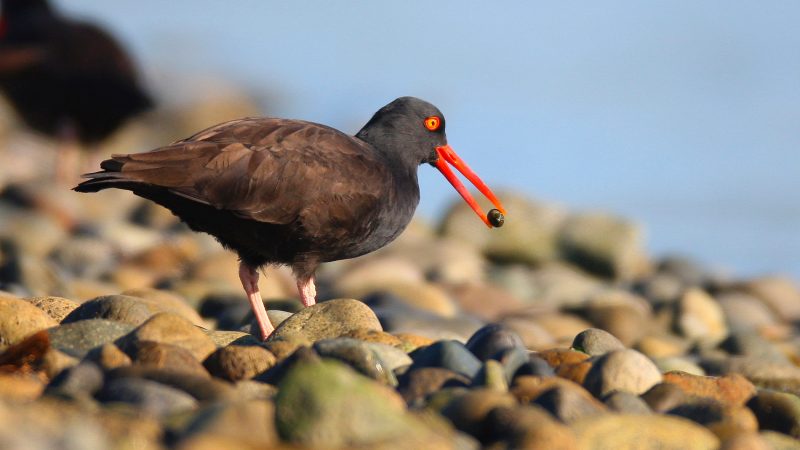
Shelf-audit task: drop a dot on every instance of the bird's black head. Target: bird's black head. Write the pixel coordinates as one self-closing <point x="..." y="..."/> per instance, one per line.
<point x="408" y="129"/>
<point x="410" y="132"/>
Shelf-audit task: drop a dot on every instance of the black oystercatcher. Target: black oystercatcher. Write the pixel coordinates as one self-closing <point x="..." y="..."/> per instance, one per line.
<point x="280" y="191"/>
<point x="66" y="79"/>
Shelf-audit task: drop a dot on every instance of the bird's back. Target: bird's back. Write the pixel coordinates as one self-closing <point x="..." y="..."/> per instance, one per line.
<point x="274" y="190"/>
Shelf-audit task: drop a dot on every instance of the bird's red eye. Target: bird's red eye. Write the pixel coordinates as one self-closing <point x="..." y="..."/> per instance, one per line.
<point x="432" y="123"/>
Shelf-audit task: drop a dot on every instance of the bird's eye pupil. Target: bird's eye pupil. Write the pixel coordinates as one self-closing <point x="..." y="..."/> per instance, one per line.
<point x="432" y="123"/>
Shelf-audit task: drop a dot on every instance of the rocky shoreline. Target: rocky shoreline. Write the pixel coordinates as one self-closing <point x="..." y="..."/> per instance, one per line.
<point x="120" y="328"/>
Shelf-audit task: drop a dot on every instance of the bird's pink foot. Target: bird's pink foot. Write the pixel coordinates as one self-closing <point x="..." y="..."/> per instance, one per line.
<point x="308" y="292"/>
<point x="249" y="277"/>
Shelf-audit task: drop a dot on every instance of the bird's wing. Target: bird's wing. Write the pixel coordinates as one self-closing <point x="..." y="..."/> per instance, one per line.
<point x="16" y="58"/>
<point x="268" y="170"/>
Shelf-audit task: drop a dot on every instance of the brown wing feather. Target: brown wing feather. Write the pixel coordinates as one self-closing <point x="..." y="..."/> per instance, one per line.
<point x="268" y="170"/>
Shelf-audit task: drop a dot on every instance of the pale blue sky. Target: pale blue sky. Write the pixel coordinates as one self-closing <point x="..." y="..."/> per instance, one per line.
<point x="682" y="115"/>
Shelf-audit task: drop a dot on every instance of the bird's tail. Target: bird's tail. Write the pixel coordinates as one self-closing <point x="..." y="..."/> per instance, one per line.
<point x="110" y="177"/>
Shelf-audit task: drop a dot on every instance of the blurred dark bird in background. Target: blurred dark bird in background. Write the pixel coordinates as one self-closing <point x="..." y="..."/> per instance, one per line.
<point x="280" y="191"/>
<point x="65" y="79"/>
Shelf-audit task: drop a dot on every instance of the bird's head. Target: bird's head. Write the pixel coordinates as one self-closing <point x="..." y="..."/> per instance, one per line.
<point x="413" y="131"/>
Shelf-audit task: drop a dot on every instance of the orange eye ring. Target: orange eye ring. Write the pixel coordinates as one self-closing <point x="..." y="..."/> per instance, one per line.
<point x="432" y="123"/>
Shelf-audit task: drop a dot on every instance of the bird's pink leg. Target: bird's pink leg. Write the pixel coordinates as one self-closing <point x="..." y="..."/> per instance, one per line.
<point x="249" y="278"/>
<point x="308" y="292"/>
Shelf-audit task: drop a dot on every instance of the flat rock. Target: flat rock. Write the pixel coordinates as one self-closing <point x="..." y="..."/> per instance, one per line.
<point x="77" y="338"/>
<point x="19" y="319"/>
<point x="732" y="389"/>
<point x="622" y="370"/>
<point x="328" y="320"/>
<point x="654" y="432"/>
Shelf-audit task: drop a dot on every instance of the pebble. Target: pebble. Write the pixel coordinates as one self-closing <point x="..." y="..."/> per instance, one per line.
<point x="606" y="245"/>
<point x="168" y="328"/>
<point x="164" y="357"/>
<point x="78" y="338"/>
<point x="148" y="396"/>
<point x="102" y="359"/>
<point x="55" y="307"/>
<point x="329" y="404"/>
<point x="19" y="319"/>
<point x="622" y="370"/>
<point x="358" y="355"/>
<point x="656" y="432"/>
<point x="328" y="320"/>
<point x="777" y="411"/>
<point x="626" y="403"/>
<point x="492" y="340"/>
<point x="596" y="342"/>
<point x="417" y="384"/>
<point x="239" y="362"/>
<point x="569" y="403"/>
<point x="451" y="355"/>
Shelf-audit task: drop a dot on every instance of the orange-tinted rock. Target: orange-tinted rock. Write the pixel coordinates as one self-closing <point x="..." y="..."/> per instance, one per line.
<point x="732" y="389"/>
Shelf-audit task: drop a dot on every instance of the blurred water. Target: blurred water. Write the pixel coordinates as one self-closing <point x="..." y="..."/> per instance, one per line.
<point x="681" y="115"/>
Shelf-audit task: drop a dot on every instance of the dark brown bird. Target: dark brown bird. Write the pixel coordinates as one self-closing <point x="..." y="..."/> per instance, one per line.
<point x="65" y="79"/>
<point x="280" y="191"/>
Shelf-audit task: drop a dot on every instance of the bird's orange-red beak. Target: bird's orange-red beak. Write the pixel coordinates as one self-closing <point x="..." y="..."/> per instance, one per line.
<point x="447" y="155"/>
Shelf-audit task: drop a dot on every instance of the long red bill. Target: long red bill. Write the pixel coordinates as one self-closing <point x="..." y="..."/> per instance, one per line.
<point x="447" y="155"/>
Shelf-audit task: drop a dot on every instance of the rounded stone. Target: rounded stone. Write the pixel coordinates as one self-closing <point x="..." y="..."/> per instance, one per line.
<point x="622" y="370"/>
<point x="55" y="307"/>
<point x="328" y="320"/>
<point x="700" y="318"/>
<point x="595" y="341"/>
<point x="169" y="328"/>
<point x="77" y="338"/>
<point x="19" y="319"/>
<point x="492" y="340"/>
<point x="642" y="432"/>
<point x="239" y="362"/>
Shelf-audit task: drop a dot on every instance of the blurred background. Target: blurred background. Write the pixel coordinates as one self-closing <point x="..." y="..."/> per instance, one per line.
<point x="679" y="115"/>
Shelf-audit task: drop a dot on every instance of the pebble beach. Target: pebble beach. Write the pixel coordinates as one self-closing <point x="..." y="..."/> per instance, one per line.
<point x="122" y="329"/>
